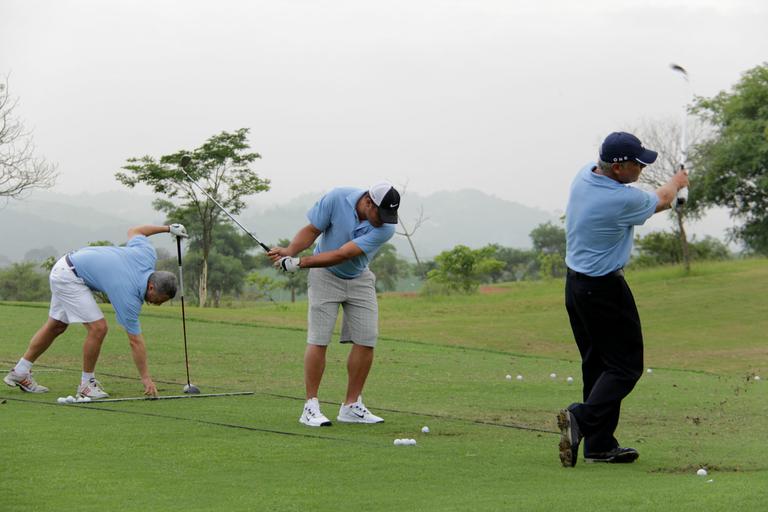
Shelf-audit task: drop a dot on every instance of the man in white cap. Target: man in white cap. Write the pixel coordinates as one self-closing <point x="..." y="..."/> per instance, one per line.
<point x="354" y="224"/>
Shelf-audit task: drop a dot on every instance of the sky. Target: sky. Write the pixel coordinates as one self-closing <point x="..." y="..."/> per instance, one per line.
<point x="508" y="97"/>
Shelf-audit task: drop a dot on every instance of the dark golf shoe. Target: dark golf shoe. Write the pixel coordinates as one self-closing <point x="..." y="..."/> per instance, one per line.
<point x="616" y="456"/>
<point x="570" y="437"/>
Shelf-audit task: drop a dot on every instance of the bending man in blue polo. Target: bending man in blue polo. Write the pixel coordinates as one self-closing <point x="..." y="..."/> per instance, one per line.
<point x="354" y="224"/>
<point x="127" y="275"/>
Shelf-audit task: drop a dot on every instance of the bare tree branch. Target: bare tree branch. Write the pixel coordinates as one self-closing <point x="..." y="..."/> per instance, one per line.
<point x="20" y="169"/>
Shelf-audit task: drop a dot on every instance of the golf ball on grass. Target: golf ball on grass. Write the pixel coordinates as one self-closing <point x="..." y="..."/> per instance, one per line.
<point x="569" y="380"/>
<point x="702" y="472"/>
<point x="757" y="377"/>
<point x="552" y="375"/>
<point x="70" y="399"/>
<point x="519" y="377"/>
<point x="509" y="377"/>
<point x="61" y="400"/>
<point x="649" y="370"/>
<point x="425" y="430"/>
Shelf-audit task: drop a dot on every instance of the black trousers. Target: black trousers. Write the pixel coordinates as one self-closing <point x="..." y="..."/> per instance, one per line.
<point x="607" y="330"/>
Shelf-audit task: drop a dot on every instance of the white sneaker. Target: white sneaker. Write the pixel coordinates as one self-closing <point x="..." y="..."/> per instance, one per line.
<point x="357" y="413"/>
<point x="25" y="382"/>
<point x="91" y="389"/>
<point x="312" y="417"/>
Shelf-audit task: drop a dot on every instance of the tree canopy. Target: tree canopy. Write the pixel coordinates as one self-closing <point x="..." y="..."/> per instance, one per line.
<point x="731" y="166"/>
<point x="221" y="167"/>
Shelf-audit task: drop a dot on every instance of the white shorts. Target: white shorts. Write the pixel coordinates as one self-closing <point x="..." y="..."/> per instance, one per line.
<point x="71" y="300"/>
<point x="360" y="324"/>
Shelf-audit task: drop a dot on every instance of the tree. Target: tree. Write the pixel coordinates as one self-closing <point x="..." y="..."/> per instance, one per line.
<point x="664" y="137"/>
<point x="549" y="246"/>
<point x="732" y="166"/>
<point x="662" y="248"/>
<point x="20" y="169"/>
<point x="24" y="282"/>
<point x="221" y="166"/>
<point x="518" y="263"/>
<point x="388" y="267"/>
<point x="463" y="269"/>
<point x="229" y="258"/>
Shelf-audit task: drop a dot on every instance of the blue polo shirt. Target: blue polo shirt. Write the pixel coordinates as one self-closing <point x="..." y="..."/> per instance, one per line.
<point x="600" y="220"/>
<point x="335" y="215"/>
<point x="121" y="273"/>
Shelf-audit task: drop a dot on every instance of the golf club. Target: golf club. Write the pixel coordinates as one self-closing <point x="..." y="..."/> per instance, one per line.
<point x="189" y="388"/>
<point x="168" y="397"/>
<point x="184" y="163"/>
<point x="682" y="194"/>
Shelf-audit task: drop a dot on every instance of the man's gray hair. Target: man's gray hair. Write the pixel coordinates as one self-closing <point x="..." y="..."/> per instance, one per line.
<point x="165" y="283"/>
<point x="604" y="166"/>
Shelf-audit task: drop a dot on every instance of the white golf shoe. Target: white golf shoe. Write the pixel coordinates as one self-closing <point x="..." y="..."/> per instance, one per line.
<point x="311" y="415"/>
<point x="357" y="413"/>
<point x="91" y="389"/>
<point x="25" y="382"/>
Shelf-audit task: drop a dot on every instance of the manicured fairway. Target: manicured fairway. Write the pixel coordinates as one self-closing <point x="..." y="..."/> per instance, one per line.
<point x="442" y="363"/>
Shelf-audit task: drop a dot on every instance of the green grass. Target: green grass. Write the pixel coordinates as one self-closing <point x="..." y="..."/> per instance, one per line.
<point x="441" y="362"/>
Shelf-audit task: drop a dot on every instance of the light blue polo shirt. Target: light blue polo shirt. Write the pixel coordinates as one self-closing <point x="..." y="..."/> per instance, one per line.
<point x="335" y="215"/>
<point x="121" y="273"/>
<point x="600" y="220"/>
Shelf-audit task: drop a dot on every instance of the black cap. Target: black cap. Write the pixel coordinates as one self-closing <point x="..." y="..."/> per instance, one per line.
<point x="387" y="199"/>
<point x="623" y="147"/>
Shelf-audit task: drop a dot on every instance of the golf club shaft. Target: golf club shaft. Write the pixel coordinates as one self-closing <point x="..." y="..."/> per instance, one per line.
<point x="169" y="397"/>
<point x="183" y="313"/>
<point x="682" y="194"/>
<point x="263" y="246"/>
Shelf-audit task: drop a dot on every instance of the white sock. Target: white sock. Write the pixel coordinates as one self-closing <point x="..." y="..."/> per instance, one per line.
<point x="86" y="378"/>
<point x="23" y="367"/>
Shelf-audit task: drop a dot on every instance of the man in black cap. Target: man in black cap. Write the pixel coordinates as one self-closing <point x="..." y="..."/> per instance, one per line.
<point x="354" y="224"/>
<point x="600" y="218"/>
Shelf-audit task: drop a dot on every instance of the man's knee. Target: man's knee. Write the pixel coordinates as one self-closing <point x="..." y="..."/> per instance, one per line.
<point x="97" y="329"/>
<point x="57" y="326"/>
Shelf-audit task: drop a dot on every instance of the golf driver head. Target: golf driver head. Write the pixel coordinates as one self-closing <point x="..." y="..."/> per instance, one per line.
<point x="191" y="389"/>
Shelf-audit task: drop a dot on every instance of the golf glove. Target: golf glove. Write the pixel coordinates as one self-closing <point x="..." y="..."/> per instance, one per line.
<point x="289" y="265"/>
<point x="178" y="230"/>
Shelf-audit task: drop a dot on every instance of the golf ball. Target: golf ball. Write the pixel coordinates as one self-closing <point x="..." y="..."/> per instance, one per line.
<point x="70" y="399"/>
<point x="86" y="399"/>
<point x="757" y="377"/>
<point x="569" y="380"/>
<point x="411" y="442"/>
<point x="425" y="430"/>
<point x="509" y="377"/>
<point x="61" y="400"/>
<point x="552" y="375"/>
<point x="702" y="472"/>
<point x="519" y="377"/>
<point x="399" y="442"/>
<point x="649" y="370"/>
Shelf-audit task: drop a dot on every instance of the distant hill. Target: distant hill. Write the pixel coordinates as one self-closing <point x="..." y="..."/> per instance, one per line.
<point x="468" y="217"/>
<point x="66" y="222"/>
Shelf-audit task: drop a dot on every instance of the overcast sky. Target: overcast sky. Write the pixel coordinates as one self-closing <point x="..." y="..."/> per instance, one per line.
<point x="509" y="97"/>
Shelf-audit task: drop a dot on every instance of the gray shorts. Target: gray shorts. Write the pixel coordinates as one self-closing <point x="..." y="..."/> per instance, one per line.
<point x="360" y="323"/>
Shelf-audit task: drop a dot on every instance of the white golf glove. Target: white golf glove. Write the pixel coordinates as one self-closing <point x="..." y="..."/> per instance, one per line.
<point x="178" y="230"/>
<point x="289" y="265"/>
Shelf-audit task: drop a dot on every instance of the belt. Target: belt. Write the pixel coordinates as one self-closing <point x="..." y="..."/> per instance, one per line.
<point x="70" y="265"/>
<point x="615" y="273"/>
